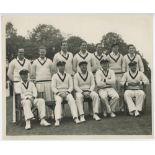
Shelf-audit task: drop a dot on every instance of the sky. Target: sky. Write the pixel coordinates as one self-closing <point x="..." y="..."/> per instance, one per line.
<point x="133" y="28"/>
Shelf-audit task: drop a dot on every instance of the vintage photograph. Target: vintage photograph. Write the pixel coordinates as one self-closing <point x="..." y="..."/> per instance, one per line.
<point x="76" y="75"/>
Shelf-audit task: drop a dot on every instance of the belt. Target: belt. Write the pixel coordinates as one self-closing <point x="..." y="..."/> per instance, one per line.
<point x="15" y="81"/>
<point x="44" y="81"/>
<point x="105" y="87"/>
<point x="134" y="89"/>
<point x="119" y="72"/>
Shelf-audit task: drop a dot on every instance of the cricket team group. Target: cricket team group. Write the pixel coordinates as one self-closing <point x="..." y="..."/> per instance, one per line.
<point x="74" y="79"/>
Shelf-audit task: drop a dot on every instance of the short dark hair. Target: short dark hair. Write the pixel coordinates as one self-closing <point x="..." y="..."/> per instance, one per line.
<point x="42" y="47"/>
<point x="82" y="63"/>
<point x="61" y="63"/>
<point x="83" y="42"/>
<point x="98" y="44"/>
<point x="64" y="41"/>
<point x="113" y="45"/>
<point x="130" y="45"/>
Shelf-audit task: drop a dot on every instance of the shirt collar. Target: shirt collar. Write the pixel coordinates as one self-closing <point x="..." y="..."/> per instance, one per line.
<point x="42" y="59"/>
<point x="82" y="52"/>
<point x="96" y="53"/>
<point x="20" y="60"/>
<point x="61" y="52"/>
<point x="24" y="82"/>
<point x="112" y="53"/>
<point x="83" y="73"/>
<point x="61" y="74"/>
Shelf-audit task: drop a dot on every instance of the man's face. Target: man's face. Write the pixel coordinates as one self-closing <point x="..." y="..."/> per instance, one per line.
<point x="21" y="53"/>
<point x="132" y="49"/>
<point x="24" y="77"/>
<point x="105" y="66"/>
<point x="83" y="67"/>
<point x="42" y="53"/>
<point x="64" y="46"/>
<point x="61" y="68"/>
<point x="99" y="48"/>
<point x="84" y="46"/>
<point x="133" y="68"/>
<point x="115" y="48"/>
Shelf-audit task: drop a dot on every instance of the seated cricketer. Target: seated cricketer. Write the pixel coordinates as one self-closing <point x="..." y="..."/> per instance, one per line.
<point x="133" y="80"/>
<point x="28" y="93"/>
<point x="62" y="86"/>
<point x="105" y="79"/>
<point x="84" y="85"/>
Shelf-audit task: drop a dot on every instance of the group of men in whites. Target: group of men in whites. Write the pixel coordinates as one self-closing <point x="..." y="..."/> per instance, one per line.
<point x="94" y="76"/>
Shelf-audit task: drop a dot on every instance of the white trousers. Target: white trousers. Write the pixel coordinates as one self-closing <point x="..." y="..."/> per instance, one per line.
<point x="95" y="102"/>
<point x="58" y="106"/>
<point x="114" y="98"/>
<point x="139" y="99"/>
<point x="45" y="91"/>
<point x="27" y="105"/>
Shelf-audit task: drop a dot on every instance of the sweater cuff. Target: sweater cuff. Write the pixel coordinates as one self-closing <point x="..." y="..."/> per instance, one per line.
<point x="57" y="93"/>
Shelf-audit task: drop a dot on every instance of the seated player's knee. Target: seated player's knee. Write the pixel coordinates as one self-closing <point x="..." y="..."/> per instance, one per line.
<point x="94" y="94"/>
<point x="58" y="99"/>
<point x="70" y="98"/>
<point x="141" y="93"/>
<point x="127" y="93"/>
<point x="79" y="96"/>
<point x="41" y="100"/>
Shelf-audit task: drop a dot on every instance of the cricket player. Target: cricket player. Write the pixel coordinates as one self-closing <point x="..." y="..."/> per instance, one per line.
<point x="15" y="66"/>
<point x="115" y="63"/>
<point x="105" y="79"/>
<point x="65" y="56"/>
<point x="62" y="86"/>
<point x="98" y="56"/>
<point x="83" y="55"/>
<point x="133" y="80"/>
<point x="28" y="93"/>
<point x="132" y="56"/>
<point x="42" y="71"/>
<point x="84" y="85"/>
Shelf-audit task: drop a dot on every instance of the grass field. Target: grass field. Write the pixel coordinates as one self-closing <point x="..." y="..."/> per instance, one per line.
<point x="121" y="125"/>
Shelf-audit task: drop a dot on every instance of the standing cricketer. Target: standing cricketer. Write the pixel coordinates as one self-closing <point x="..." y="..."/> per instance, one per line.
<point x="42" y="71"/>
<point x="98" y="56"/>
<point x="83" y="55"/>
<point x="115" y="63"/>
<point x="62" y="86"/>
<point x="105" y="79"/>
<point x="15" y="66"/>
<point x="84" y="85"/>
<point x="65" y="56"/>
<point x="134" y="80"/>
<point x="130" y="57"/>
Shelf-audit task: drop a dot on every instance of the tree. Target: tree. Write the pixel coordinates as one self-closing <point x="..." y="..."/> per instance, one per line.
<point x="10" y="30"/>
<point x="111" y="38"/>
<point x="11" y="41"/>
<point x="48" y="36"/>
<point x="74" y="44"/>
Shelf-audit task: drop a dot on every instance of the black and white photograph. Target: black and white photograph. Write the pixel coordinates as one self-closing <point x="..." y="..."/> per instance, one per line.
<point x="77" y="76"/>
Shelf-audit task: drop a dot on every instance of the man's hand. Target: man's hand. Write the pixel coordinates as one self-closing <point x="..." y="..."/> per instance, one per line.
<point x="63" y="94"/>
<point x="31" y="99"/>
<point x="86" y="94"/>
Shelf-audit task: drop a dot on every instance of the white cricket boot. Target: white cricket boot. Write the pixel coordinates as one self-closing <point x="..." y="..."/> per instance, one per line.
<point x="82" y="119"/>
<point x="44" y="123"/>
<point x="57" y="122"/>
<point x="28" y="125"/>
<point x="96" y="117"/>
